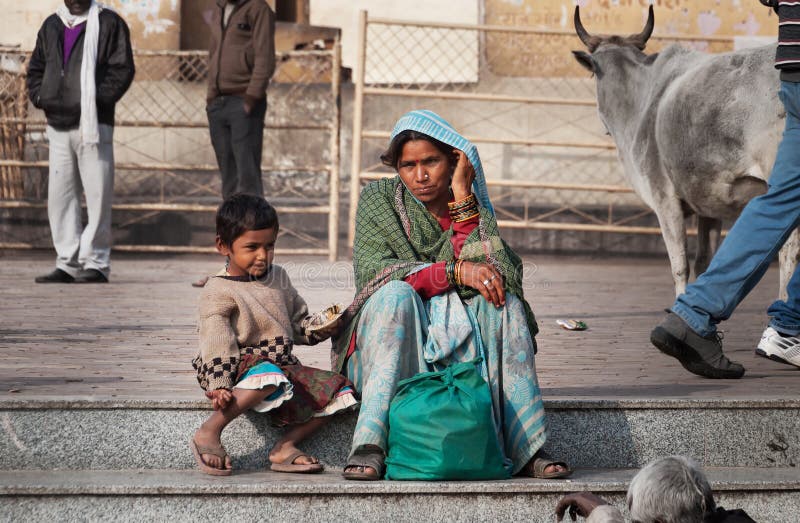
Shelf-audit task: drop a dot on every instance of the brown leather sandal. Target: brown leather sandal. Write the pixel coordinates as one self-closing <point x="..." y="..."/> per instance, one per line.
<point x="536" y="467"/>
<point x="369" y="456"/>
<point x="289" y="465"/>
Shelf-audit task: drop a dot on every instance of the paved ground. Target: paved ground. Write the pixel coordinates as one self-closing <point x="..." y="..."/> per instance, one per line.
<point x="134" y="338"/>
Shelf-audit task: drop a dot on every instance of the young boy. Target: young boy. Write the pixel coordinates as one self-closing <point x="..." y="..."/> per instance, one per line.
<point x="249" y="320"/>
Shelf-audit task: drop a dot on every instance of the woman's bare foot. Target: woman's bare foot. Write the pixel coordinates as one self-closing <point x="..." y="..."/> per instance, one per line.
<point x="359" y="469"/>
<point x="543" y="466"/>
<point x="555" y="467"/>
<point x="208" y="438"/>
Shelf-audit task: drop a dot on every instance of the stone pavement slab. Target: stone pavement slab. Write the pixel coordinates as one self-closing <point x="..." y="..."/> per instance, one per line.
<point x="132" y="340"/>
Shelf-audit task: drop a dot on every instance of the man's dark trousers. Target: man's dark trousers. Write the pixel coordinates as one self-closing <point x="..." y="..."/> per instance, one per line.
<point x="237" y="138"/>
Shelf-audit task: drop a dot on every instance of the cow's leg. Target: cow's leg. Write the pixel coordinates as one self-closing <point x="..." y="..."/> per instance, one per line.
<point x="708" y="232"/>
<point x="788" y="262"/>
<point x="673" y="230"/>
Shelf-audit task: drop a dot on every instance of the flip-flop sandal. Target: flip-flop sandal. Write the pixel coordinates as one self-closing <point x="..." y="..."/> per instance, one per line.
<point x="541" y="460"/>
<point x="218" y="451"/>
<point x="365" y="458"/>
<point x="288" y="465"/>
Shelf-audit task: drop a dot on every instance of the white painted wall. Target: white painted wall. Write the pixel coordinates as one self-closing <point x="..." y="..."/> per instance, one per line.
<point x="403" y="67"/>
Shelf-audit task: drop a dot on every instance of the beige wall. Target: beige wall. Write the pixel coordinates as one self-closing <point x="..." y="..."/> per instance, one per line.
<point x="702" y="17"/>
<point x="746" y="20"/>
<point x="154" y="24"/>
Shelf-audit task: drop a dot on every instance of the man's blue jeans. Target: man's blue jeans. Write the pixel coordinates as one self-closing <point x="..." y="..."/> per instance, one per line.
<point x="753" y="242"/>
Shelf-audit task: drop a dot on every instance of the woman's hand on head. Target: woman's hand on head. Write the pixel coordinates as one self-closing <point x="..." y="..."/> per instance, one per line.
<point x="484" y="278"/>
<point x="219" y="398"/>
<point x="463" y="175"/>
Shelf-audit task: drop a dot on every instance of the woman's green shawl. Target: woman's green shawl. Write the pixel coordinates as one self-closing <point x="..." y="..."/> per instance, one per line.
<point x="395" y="235"/>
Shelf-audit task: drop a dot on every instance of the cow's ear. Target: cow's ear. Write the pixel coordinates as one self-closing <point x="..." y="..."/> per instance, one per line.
<point x="586" y="60"/>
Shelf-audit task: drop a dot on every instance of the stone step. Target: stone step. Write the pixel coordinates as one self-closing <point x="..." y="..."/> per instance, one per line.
<point x="107" y="434"/>
<point x="769" y="495"/>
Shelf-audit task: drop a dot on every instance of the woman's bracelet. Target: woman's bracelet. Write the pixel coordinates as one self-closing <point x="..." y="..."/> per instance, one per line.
<point x="463" y="210"/>
<point x="464" y="216"/>
<point x="461" y="204"/>
<point x="450" y="271"/>
<point x="453" y="271"/>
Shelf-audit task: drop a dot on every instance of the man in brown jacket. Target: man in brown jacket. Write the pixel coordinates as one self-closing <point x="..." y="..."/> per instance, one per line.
<point x="241" y="60"/>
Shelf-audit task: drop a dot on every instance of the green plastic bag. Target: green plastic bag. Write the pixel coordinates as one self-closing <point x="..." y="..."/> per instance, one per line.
<point x="441" y="427"/>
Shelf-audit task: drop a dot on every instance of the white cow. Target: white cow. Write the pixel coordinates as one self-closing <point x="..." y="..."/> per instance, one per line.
<point x="696" y="133"/>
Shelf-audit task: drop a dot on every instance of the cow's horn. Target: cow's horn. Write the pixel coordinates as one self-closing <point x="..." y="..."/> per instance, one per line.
<point x="591" y="42"/>
<point x="640" y="40"/>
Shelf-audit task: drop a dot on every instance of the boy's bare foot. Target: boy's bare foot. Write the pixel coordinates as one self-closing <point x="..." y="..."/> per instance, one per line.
<point x="286" y="457"/>
<point x="283" y="450"/>
<point x="207" y="438"/>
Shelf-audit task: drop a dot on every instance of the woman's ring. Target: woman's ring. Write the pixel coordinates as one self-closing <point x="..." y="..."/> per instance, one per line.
<point x="493" y="277"/>
<point x="486" y="282"/>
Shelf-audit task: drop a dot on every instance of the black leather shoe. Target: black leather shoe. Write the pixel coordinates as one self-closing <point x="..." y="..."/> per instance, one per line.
<point x="57" y="276"/>
<point x="699" y="355"/>
<point x="91" y="276"/>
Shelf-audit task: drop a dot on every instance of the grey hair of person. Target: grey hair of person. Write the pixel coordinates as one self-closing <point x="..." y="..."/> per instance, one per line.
<point x="673" y="489"/>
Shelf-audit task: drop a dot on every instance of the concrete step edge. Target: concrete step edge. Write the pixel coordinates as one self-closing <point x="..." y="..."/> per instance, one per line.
<point x="330" y="482"/>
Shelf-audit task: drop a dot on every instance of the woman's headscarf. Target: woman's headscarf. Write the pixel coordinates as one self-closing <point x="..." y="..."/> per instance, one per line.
<point x="433" y="125"/>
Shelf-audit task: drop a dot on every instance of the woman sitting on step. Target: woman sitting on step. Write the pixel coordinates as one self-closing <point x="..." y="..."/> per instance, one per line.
<point x="437" y="285"/>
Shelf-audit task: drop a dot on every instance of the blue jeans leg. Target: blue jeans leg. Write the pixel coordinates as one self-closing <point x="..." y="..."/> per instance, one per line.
<point x="755" y="239"/>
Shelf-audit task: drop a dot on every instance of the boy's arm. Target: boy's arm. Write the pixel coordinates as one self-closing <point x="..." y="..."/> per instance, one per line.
<point x="219" y="349"/>
<point x="299" y="315"/>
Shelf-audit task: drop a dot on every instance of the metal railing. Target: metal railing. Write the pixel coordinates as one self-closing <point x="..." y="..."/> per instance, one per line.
<point x="164" y="159"/>
<point x="548" y="161"/>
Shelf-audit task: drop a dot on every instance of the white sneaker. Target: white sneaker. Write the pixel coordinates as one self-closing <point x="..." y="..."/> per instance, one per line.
<point x="784" y="349"/>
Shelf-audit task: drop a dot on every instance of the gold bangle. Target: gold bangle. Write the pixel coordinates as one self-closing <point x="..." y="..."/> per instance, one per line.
<point x="460" y="204"/>
<point x="465" y="217"/>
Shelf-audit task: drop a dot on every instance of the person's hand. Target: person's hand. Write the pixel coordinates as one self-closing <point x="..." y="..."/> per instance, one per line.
<point x="248" y="102"/>
<point x="463" y="175"/>
<point x="484" y="278"/>
<point x="579" y="504"/>
<point x="219" y="398"/>
<point x="326" y="331"/>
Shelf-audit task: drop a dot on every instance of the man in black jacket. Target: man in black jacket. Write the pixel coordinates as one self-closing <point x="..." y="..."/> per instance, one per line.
<point x="80" y="68"/>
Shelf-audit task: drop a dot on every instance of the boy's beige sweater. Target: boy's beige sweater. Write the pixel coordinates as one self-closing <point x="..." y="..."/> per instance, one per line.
<point x="236" y="315"/>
